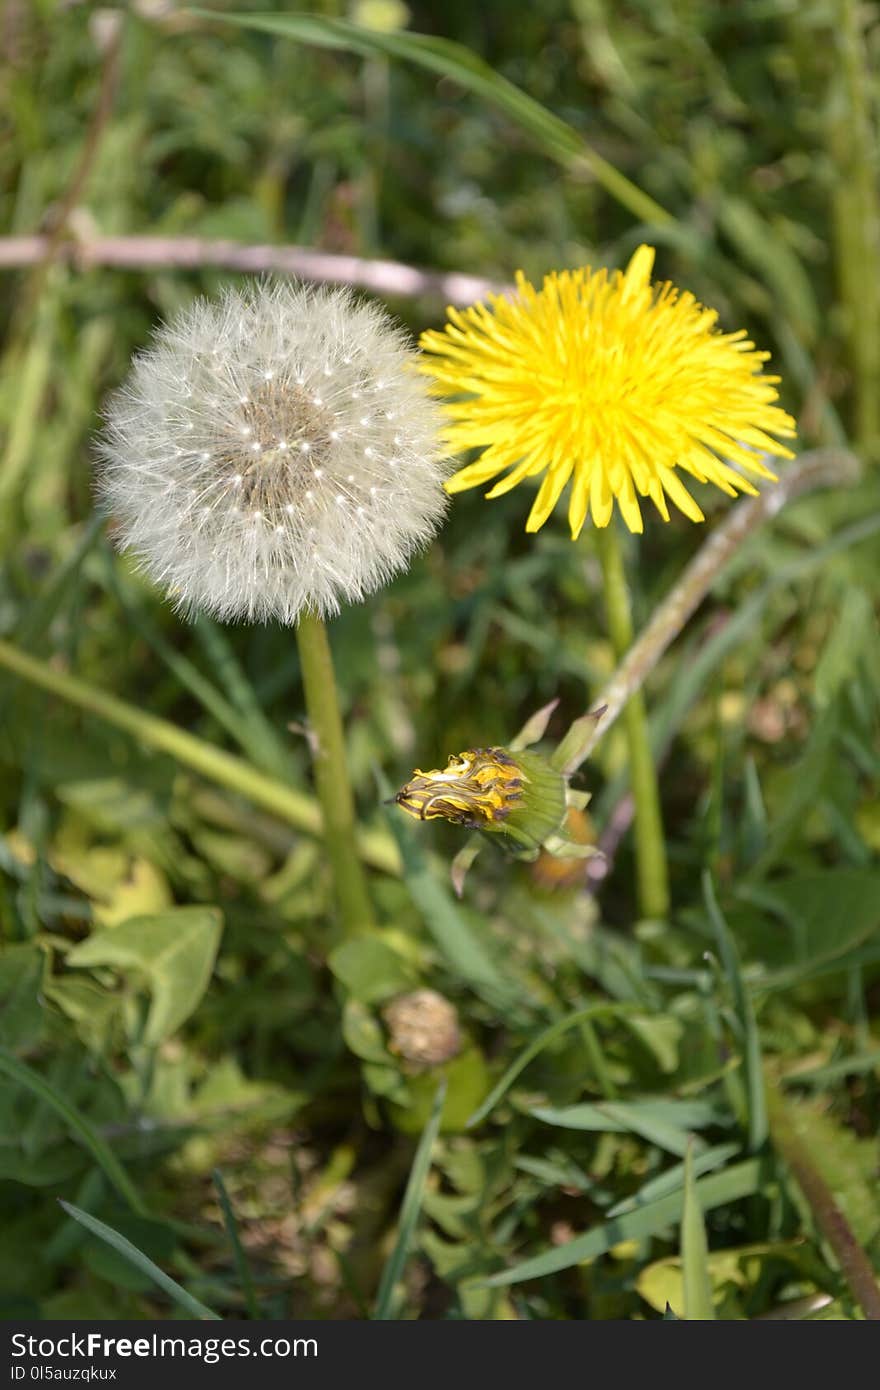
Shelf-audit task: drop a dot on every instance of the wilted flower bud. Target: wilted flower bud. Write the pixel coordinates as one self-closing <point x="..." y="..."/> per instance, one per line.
<point x="423" y="1027"/>
<point x="273" y="451"/>
<point x="519" y="795"/>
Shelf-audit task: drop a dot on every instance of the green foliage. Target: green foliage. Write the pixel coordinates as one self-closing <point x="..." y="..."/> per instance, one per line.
<point x="191" y="1055"/>
<point x="175" y="953"/>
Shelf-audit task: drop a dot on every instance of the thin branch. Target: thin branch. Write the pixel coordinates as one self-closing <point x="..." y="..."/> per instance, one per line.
<point x="820" y="468"/>
<point x="195" y="253"/>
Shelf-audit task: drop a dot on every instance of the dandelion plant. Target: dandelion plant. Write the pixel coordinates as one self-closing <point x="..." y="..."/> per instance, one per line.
<point x="274" y="455"/>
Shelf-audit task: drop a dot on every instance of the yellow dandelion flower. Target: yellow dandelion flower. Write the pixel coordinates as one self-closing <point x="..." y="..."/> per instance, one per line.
<point x="611" y="383"/>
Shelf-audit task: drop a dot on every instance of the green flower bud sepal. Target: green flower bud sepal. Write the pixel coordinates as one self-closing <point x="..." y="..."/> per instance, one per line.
<point x="509" y="792"/>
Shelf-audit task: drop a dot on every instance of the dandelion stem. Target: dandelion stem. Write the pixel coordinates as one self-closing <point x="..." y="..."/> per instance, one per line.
<point x="332" y="781"/>
<point x="652" y="874"/>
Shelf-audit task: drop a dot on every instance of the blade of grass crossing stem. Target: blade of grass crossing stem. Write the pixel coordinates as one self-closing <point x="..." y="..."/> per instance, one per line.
<point x="716" y="1190"/>
<point x="183" y="670"/>
<point x="536" y="1046"/>
<point x="265" y="744"/>
<point x="409" y="1211"/>
<point x="453" y="60"/>
<point x="698" y="1305"/>
<point x="238" y="775"/>
<point x="140" y="1261"/>
<point x="79" y="1127"/>
<point x="241" y="1264"/>
<point x="63" y="581"/>
<point x="756" y="1099"/>
<point x="672" y="1180"/>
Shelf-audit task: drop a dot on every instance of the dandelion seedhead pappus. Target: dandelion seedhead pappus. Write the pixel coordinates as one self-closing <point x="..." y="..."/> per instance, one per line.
<point x="273" y="451"/>
<point x="607" y="382"/>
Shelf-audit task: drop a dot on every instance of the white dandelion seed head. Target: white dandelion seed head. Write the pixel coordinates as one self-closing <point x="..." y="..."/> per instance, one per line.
<point x="244" y="489"/>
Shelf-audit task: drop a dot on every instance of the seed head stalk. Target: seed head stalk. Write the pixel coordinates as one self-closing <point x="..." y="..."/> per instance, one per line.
<point x="332" y="782"/>
<point x="651" y="867"/>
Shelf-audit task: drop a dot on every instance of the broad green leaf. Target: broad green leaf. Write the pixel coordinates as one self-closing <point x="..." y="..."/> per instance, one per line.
<point x="698" y="1306"/>
<point x="174" y="951"/>
<point x="22" y="1019"/>
<point x="716" y="1190"/>
<point x="363" y="1033"/>
<point x="370" y="970"/>
<point x="662" y="1284"/>
<point x="467" y="1079"/>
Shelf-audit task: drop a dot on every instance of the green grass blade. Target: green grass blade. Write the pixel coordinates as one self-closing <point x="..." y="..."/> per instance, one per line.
<point x="80" y="1128"/>
<point x="273" y="795"/>
<point x="756" y="1099"/>
<point x="654" y="1123"/>
<point x="673" y="1179"/>
<point x="453" y="60"/>
<point x="180" y="666"/>
<point x="262" y="741"/>
<point x="58" y="589"/>
<point x="241" y="1263"/>
<point x="140" y="1261"/>
<point x="716" y="1190"/>
<point x="409" y="1211"/>
<point x="698" y="1305"/>
<point x="537" y="1046"/>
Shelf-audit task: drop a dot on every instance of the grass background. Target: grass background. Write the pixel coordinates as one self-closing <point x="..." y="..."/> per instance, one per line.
<point x="175" y="1002"/>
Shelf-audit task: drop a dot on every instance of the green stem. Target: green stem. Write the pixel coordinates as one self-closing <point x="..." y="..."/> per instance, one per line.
<point x="215" y="764"/>
<point x="331" y="773"/>
<point x="653" y="879"/>
<point x="856" y="208"/>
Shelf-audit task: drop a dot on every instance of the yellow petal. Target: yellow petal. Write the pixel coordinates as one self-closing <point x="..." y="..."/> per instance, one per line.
<point x="601" y="497"/>
<point x="548" y="495"/>
<point x="638" y="272"/>
<point x="578" y="503"/>
<point x="629" y="507"/>
<point x="475" y="473"/>
<point x="528" y="465"/>
<point x="680" y="495"/>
